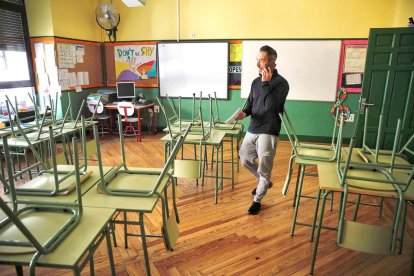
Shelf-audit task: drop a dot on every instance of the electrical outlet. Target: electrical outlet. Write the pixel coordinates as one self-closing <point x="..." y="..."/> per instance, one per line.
<point x="156" y="108"/>
<point x="351" y="118"/>
<point x="141" y="95"/>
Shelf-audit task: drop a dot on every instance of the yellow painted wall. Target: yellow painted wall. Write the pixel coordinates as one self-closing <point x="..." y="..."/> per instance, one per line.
<point x="155" y="21"/>
<point x="214" y="19"/>
<point x="75" y="19"/>
<point x="405" y="9"/>
<point x="39" y="17"/>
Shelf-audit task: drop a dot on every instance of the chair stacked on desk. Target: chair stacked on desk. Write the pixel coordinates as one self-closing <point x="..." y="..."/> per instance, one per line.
<point x="49" y="230"/>
<point x="202" y="135"/>
<point x="137" y="190"/>
<point x="373" y="174"/>
<point x="307" y="154"/>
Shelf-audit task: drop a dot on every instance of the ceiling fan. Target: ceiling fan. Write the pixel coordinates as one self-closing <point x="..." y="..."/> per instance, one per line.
<point x="108" y="18"/>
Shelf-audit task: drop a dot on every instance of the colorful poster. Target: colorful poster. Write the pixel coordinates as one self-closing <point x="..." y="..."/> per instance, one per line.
<point x="135" y="62"/>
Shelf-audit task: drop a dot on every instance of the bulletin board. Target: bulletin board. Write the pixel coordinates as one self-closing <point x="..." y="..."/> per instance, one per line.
<point x="131" y="61"/>
<point x="351" y="70"/>
<point x="190" y="67"/>
<point x="79" y="63"/>
<point x="56" y="71"/>
<point x="310" y="67"/>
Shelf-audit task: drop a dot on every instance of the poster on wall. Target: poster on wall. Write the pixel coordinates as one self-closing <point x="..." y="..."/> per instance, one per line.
<point x="136" y="63"/>
<point x="235" y="57"/>
<point x="351" y="71"/>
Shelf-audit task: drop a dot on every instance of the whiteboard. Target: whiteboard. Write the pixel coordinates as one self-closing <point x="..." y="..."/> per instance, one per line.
<point x="310" y="66"/>
<point x="187" y="68"/>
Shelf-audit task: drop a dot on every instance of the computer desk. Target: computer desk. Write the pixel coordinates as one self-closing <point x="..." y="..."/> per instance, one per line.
<point x="138" y="108"/>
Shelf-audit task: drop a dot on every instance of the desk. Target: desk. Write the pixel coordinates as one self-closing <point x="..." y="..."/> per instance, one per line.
<point x="138" y="109"/>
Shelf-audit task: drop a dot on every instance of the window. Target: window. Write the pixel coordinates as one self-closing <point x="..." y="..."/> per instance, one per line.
<point x="15" y="56"/>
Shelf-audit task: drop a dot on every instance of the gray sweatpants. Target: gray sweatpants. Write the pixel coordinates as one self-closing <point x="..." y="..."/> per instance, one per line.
<point x="262" y="147"/>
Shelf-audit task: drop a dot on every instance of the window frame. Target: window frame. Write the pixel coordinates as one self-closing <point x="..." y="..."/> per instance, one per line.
<point x="31" y="81"/>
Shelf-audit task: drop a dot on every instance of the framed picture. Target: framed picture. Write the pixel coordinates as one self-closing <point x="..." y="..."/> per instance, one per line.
<point x="352" y="65"/>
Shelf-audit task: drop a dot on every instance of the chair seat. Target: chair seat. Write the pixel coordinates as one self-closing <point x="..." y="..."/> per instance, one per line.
<point x="135" y="182"/>
<point x="42" y="224"/>
<point x="316" y="153"/>
<point x="46" y="181"/>
<point x="372" y="239"/>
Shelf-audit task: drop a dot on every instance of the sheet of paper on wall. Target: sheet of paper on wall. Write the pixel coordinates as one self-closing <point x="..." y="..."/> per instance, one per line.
<point x="53" y="76"/>
<point x="72" y="79"/>
<point x="79" y="59"/>
<point x="42" y="81"/>
<point x="353" y="79"/>
<point x="79" y="77"/>
<point x="233" y="117"/>
<point x="40" y="65"/>
<point x="63" y="74"/>
<point x="49" y="56"/>
<point x="80" y="50"/>
<point x="39" y="51"/>
<point x="85" y="78"/>
<point x="64" y="84"/>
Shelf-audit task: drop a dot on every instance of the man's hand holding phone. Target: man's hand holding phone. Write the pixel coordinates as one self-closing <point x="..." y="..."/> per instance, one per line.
<point x="266" y="74"/>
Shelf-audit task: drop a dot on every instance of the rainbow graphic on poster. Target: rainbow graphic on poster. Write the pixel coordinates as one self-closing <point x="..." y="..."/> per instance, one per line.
<point x="135" y="62"/>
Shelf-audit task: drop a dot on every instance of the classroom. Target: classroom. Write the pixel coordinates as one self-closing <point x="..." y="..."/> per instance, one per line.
<point x="130" y="132"/>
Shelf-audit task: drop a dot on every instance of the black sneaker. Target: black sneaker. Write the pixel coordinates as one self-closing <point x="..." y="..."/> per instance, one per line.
<point x="255" y="208"/>
<point x="270" y="186"/>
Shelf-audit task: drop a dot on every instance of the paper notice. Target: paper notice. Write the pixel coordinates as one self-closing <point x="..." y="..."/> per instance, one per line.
<point x="233" y="117"/>
<point x="79" y="76"/>
<point x="72" y="79"/>
<point x="85" y="78"/>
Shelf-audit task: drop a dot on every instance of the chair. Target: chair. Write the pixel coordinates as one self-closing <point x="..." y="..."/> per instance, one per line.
<point x="202" y="136"/>
<point x="95" y="106"/>
<point x="57" y="180"/>
<point x="41" y="232"/>
<point x="176" y="119"/>
<point x="366" y="179"/>
<point x="379" y="156"/>
<point x="308" y="151"/>
<point x="126" y="109"/>
<point x="305" y="155"/>
<point x="20" y="232"/>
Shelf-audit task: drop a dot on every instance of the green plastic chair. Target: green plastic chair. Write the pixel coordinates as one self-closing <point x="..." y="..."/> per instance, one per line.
<point x="57" y="180"/>
<point x="376" y="180"/>
<point x="37" y="227"/>
<point x="177" y="119"/>
<point x="380" y="156"/>
<point x="307" y="151"/>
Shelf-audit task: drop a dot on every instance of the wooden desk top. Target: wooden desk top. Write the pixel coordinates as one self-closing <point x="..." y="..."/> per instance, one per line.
<point x="67" y="253"/>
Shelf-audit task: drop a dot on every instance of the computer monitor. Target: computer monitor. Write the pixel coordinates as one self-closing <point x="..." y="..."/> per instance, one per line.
<point x="125" y="90"/>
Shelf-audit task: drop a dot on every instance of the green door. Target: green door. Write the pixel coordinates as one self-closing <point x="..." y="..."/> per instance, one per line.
<point x="388" y="86"/>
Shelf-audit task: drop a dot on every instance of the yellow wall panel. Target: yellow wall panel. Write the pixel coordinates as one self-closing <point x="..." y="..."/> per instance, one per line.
<point x="39" y="17"/>
<point x="75" y="19"/>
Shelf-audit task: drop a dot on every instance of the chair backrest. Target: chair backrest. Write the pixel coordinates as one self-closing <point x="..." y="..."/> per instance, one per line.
<point x="294" y="139"/>
<point x="126" y="109"/>
<point x="94" y="103"/>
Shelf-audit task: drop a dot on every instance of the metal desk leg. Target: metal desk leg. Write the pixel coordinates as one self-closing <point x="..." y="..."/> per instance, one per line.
<point x="299" y="192"/>
<point x="144" y="243"/>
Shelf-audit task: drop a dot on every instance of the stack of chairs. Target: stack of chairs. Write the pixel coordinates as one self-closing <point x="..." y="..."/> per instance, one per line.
<point x="379" y="174"/>
<point x="38" y="228"/>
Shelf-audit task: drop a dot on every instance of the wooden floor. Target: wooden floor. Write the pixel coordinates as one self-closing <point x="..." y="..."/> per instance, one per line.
<point x="222" y="239"/>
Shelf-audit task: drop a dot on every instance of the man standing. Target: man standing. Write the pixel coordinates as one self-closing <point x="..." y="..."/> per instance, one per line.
<point x="266" y="100"/>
